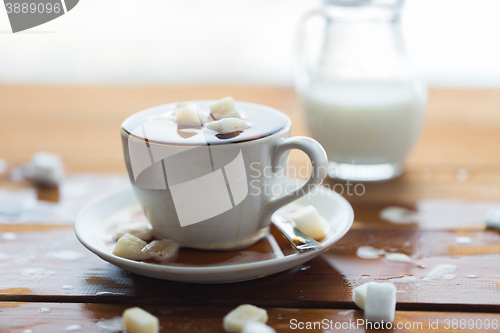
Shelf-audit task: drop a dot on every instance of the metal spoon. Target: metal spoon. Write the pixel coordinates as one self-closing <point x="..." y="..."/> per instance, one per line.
<point x="297" y="238"/>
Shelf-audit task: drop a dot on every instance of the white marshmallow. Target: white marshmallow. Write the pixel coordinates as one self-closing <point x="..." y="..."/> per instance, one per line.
<point x="46" y="169"/>
<point x="214" y="126"/>
<point x="3" y="166"/>
<point x="139" y="230"/>
<point x="257" y="327"/>
<point x="359" y="295"/>
<point x="235" y="320"/>
<point x="380" y="304"/>
<point x="136" y="320"/>
<point x="227" y="125"/>
<point x="129" y="247"/>
<point x="492" y="219"/>
<point x="224" y="108"/>
<point x="190" y="115"/>
<point x="309" y="222"/>
<point x="161" y="249"/>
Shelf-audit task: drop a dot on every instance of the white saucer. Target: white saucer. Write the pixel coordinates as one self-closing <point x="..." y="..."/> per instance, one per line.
<point x="92" y="224"/>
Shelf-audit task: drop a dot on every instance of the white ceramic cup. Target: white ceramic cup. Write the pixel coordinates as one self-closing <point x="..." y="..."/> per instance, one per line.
<point x="238" y="188"/>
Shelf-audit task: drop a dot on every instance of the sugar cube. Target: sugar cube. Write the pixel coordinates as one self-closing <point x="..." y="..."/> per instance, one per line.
<point x="235" y="320"/>
<point x="136" y="320"/>
<point x="46" y="169"/>
<point x="380" y="304"/>
<point x="224" y="108"/>
<point x="492" y="219"/>
<point x="227" y="125"/>
<point x="3" y="166"/>
<point x="309" y="222"/>
<point x="257" y="327"/>
<point x="359" y="295"/>
<point x="190" y="115"/>
<point x="161" y="249"/>
<point x="139" y="230"/>
<point x="129" y="247"/>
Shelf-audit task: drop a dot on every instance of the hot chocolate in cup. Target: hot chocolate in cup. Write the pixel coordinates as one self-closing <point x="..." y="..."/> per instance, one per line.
<point x="214" y="191"/>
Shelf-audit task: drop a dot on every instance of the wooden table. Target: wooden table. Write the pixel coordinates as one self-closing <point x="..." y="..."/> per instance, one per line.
<point x="452" y="177"/>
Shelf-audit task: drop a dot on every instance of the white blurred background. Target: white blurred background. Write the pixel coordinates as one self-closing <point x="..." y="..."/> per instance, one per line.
<point x="453" y="43"/>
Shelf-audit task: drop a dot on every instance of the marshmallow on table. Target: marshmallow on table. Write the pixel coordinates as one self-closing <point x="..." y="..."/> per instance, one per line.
<point x="380" y="303"/>
<point x="46" y="169"/>
<point x="309" y="222"/>
<point x="190" y="115"/>
<point x="224" y="108"/>
<point x="3" y="166"/>
<point x="129" y="247"/>
<point x="235" y="320"/>
<point x="161" y="249"/>
<point x="227" y="125"/>
<point x="359" y="295"/>
<point x="492" y="219"/>
<point x="136" y="320"/>
<point x="257" y="327"/>
<point x="139" y="230"/>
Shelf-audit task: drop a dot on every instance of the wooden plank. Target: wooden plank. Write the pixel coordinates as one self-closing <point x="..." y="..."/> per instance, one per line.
<point x="82" y="123"/>
<point x="90" y="317"/>
<point x="29" y="263"/>
<point x="472" y="183"/>
<point x="457" y="158"/>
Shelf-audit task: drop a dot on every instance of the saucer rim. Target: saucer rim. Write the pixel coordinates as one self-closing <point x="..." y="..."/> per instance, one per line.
<point x="348" y="219"/>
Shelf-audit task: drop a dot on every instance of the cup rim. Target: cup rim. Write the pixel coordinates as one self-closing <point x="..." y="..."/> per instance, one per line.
<point x="286" y="128"/>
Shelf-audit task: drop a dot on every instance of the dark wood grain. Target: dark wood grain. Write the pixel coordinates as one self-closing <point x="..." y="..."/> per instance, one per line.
<point x="326" y="281"/>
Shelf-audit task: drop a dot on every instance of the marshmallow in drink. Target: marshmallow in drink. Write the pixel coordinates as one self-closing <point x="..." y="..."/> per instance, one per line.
<point x="190" y="115"/>
<point x="235" y="320"/>
<point x="129" y="247"/>
<point x="136" y="320"/>
<point x="309" y="222"/>
<point x="46" y="169"/>
<point x="224" y="108"/>
<point x="161" y="249"/>
<point x="380" y="303"/>
<point x="257" y="327"/>
<point x="139" y="230"/>
<point x="227" y="125"/>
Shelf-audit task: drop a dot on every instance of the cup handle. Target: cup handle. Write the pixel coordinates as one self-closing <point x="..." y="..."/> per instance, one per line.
<point x="319" y="162"/>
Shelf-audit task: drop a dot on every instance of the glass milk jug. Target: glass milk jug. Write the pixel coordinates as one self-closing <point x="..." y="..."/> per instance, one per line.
<point x="363" y="102"/>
